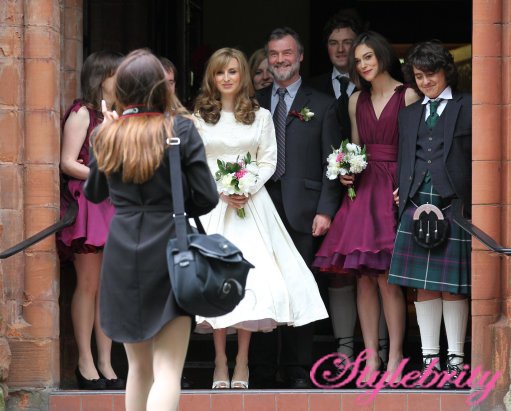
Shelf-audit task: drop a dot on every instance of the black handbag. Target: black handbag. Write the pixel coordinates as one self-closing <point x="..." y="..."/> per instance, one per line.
<point x="430" y="228"/>
<point x="208" y="273"/>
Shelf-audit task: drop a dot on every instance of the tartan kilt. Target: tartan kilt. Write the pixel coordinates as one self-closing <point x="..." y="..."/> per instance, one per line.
<point x="445" y="268"/>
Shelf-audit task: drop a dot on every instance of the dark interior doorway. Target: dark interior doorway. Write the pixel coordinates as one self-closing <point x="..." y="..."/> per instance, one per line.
<point x="188" y="31"/>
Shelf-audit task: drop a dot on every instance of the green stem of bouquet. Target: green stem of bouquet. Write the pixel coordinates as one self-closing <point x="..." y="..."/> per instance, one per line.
<point x="351" y="193"/>
<point x="241" y="212"/>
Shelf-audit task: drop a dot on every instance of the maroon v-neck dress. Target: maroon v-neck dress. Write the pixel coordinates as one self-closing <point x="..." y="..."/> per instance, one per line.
<point x="361" y="238"/>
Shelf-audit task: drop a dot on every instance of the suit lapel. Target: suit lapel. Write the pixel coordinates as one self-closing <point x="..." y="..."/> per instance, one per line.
<point x="264" y="98"/>
<point x="451" y="114"/>
<point x="300" y="101"/>
<point x="330" y="86"/>
<point x="414" y="121"/>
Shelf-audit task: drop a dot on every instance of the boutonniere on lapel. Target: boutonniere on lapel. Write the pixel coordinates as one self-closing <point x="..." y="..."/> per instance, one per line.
<point x="304" y="114"/>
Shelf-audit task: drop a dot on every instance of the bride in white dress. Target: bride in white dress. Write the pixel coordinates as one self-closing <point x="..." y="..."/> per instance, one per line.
<point x="280" y="290"/>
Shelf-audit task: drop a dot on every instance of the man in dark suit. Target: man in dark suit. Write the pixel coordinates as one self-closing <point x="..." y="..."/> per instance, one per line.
<point x="339" y="33"/>
<point x="435" y="153"/>
<point x="306" y="129"/>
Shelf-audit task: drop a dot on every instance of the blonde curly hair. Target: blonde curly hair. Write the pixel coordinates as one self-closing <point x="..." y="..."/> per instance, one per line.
<point x="208" y="104"/>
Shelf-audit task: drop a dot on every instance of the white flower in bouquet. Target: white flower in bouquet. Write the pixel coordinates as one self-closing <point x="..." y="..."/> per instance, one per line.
<point x="247" y="182"/>
<point x="225" y="184"/>
<point x="332" y="170"/>
<point x="353" y="148"/>
<point x="357" y="164"/>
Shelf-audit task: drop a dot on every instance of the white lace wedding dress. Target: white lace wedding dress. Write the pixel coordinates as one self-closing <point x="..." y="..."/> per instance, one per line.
<point x="280" y="289"/>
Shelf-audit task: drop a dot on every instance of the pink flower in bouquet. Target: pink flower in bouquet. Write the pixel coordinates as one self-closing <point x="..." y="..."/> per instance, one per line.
<point x="240" y="174"/>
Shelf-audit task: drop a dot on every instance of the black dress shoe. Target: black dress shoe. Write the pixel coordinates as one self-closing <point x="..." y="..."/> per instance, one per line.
<point x="114" y="383"/>
<point x="299" y="384"/>
<point x="426" y="361"/>
<point x="454" y="365"/>
<point x="85" y="384"/>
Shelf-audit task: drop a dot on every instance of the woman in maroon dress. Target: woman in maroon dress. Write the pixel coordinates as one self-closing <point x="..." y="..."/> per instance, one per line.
<point x="361" y="238"/>
<point x="83" y="241"/>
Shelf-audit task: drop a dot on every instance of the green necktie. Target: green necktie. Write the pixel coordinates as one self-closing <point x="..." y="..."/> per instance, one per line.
<point x="433" y="115"/>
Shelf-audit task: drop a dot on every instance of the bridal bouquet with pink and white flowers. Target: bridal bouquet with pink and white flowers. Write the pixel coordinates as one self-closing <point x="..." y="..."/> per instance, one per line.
<point x="348" y="159"/>
<point x="239" y="177"/>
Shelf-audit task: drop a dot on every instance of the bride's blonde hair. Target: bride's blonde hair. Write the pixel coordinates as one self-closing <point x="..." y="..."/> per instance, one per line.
<point x="208" y="104"/>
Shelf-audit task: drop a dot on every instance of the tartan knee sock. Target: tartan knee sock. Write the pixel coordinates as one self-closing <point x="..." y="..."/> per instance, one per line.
<point x="429" y="318"/>
<point x="455" y="320"/>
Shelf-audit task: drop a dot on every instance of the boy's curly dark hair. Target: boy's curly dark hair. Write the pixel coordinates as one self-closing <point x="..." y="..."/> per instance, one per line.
<point x="430" y="57"/>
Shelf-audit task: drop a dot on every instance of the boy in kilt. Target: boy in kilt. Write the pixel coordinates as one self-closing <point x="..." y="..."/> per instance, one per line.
<point x="434" y="166"/>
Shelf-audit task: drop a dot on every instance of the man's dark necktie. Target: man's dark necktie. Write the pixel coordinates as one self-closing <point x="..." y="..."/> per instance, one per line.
<point x="433" y="115"/>
<point x="342" y="109"/>
<point x="344" y="82"/>
<point x="279" y="120"/>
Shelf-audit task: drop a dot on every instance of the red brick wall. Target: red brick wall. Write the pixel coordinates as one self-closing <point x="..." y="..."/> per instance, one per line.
<point x="11" y="147"/>
<point x="491" y="292"/>
<point x="29" y="152"/>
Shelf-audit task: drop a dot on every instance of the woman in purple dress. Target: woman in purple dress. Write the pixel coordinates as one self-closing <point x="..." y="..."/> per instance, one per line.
<point x="83" y="241"/>
<point x="361" y="238"/>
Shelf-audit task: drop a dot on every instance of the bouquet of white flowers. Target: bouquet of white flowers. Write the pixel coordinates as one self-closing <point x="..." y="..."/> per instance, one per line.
<point x="237" y="178"/>
<point x="348" y="159"/>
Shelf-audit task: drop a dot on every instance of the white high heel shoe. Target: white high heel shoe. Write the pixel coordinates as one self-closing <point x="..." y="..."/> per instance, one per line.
<point x="221" y="384"/>
<point x="239" y="384"/>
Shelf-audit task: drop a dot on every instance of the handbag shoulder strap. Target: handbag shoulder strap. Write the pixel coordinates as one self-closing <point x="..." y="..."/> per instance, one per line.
<point x="178" y="203"/>
<point x="176" y="183"/>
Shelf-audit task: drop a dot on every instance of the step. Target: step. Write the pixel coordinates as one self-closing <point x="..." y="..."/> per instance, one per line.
<point x="273" y="400"/>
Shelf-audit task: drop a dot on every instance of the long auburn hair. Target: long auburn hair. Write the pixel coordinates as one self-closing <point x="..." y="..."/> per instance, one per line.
<point x="208" y="104"/>
<point x="134" y="145"/>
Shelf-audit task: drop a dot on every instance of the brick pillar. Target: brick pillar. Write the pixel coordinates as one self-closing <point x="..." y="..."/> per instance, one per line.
<point x="503" y="328"/>
<point x="491" y="311"/>
<point x="29" y="154"/>
<point x="11" y="145"/>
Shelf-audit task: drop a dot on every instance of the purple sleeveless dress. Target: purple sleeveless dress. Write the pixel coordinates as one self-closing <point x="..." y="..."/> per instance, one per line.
<point x="361" y="237"/>
<point x="90" y="229"/>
